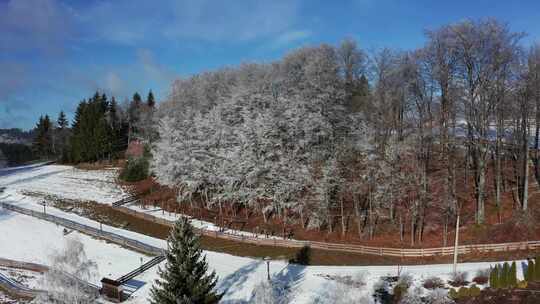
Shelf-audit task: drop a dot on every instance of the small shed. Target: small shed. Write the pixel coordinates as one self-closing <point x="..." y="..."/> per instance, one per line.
<point x="111" y="290"/>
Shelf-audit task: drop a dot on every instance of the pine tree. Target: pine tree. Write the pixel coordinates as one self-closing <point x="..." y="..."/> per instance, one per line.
<point x="529" y="273"/>
<point x="184" y="278"/>
<point x="43" y="145"/>
<point x="137" y="99"/>
<point x="497" y="277"/>
<point x="536" y="276"/>
<point x="62" y="121"/>
<point x="512" y="275"/>
<point x="505" y="275"/>
<point x="150" y="101"/>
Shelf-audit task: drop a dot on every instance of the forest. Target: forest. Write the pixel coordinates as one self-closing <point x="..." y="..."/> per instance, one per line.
<point x="350" y="142"/>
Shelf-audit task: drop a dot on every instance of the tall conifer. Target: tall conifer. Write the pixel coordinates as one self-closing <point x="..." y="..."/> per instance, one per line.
<point x="185" y="278"/>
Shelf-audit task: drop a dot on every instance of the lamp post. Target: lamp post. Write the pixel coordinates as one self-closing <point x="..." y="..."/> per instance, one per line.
<point x="456" y="242"/>
<point x="267" y="259"/>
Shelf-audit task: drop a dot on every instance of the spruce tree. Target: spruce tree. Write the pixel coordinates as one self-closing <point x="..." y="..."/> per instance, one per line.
<point x="512" y="275"/>
<point x="150" y="100"/>
<point x="62" y="121"/>
<point x="536" y="276"/>
<point x="529" y="273"/>
<point x="504" y="275"/>
<point x="491" y="274"/>
<point x="137" y="99"/>
<point x="495" y="277"/>
<point x="184" y="278"/>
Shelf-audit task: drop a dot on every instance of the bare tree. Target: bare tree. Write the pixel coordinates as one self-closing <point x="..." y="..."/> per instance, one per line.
<point x="69" y="272"/>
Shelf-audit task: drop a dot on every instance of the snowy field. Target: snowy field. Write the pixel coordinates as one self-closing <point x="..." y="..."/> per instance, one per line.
<point x="64" y="182"/>
<point x="30" y="239"/>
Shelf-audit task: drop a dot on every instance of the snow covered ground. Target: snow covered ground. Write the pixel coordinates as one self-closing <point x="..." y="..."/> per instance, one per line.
<point x="64" y="182"/>
<point x="30" y="239"/>
<point x="30" y="279"/>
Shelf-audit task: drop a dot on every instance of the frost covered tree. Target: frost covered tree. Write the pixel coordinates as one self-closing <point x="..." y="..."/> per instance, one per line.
<point x="251" y="136"/>
<point x="184" y="278"/>
<point x="67" y="277"/>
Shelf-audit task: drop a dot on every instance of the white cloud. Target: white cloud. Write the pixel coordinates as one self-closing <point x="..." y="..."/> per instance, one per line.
<point x="290" y="37"/>
<point x="134" y="21"/>
<point x="34" y="25"/>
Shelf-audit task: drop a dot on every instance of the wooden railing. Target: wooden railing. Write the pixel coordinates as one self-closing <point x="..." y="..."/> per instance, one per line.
<point x="256" y="240"/>
<point x="381" y="251"/>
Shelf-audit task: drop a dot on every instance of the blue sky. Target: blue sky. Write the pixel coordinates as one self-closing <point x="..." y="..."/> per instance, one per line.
<point x="54" y="53"/>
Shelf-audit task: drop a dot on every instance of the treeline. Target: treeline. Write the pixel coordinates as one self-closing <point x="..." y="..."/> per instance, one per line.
<point x="101" y="129"/>
<point x="329" y="134"/>
<point x="15" y="147"/>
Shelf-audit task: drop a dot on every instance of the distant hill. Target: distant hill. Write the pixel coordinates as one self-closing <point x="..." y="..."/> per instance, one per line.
<point x="16" y="136"/>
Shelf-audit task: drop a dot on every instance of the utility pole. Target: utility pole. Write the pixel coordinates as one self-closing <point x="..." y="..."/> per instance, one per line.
<point x="456" y="244"/>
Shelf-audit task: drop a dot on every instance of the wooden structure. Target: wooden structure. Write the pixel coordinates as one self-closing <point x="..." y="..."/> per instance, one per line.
<point x="112" y="290"/>
<point x="342" y="247"/>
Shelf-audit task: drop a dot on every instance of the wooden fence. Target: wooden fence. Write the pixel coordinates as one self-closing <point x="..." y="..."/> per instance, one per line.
<point x="274" y="241"/>
<point x="381" y="251"/>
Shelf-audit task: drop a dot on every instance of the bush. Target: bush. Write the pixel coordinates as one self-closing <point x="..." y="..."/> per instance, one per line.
<point x="474" y="291"/>
<point x="463" y="293"/>
<point x="136" y="170"/>
<point x="452" y="294"/>
<point x="433" y="283"/>
<point x="522" y="284"/>
<point x="303" y="256"/>
<point x="439" y="296"/>
<point x="400" y="290"/>
<point x="405" y="279"/>
<point x="458" y="279"/>
<point x="412" y="297"/>
<point x="482" y="276"/>
<point x="480" y="280"/>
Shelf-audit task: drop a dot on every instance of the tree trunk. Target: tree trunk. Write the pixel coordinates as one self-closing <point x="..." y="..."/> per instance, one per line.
<point x="525" y="197"/>
<point x="480" y="198"/>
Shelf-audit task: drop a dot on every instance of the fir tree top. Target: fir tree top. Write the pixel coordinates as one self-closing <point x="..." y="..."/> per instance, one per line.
<point x="137" y="98"/>
<point x="184" y="278"/>
<point x="150" y="100"/>
<point x="62" y="120"/>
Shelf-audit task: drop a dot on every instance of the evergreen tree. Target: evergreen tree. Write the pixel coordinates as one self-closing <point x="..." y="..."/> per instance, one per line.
<point x="43" y="145"/>
<point x="493" y="277"/>
<point x="536" y="276"/>
<point x="91" y="138"/>
<point x="62" y="121"/>
<point x="137" y="100"/>
<point x="184" y="278"/>
<point x="150" y="101"/>
<point x="505" y="275"/>
<point x="512" y="275"/>
<point x="530" y="273"/>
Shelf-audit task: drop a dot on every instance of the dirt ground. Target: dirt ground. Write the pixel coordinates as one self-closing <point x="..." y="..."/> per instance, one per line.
<point x="514" y="225"/>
